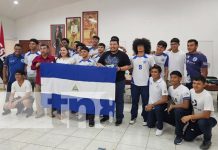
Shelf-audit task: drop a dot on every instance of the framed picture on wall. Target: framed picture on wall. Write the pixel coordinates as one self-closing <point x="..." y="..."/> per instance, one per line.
<point x="90" y="26"/>
<point x="57" y="34"/>
<point x="73" y="29"/>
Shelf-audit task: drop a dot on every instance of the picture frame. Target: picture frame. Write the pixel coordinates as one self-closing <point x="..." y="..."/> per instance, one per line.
<point x="57" y="32"/>
<point x="90" y="26"/>
<point x="73" y="29"/>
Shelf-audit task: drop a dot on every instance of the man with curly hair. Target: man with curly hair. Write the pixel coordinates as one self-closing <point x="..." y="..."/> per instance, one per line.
<point x="140" y="64"/>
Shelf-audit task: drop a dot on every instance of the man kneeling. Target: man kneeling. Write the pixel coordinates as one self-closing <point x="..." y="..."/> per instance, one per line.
<point x="21" y="95"/>
<point x="203" y="119"/>
<point x="179" y="105"/>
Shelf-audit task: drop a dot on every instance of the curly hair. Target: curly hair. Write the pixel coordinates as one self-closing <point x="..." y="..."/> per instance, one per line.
<point x="142" y="42"/>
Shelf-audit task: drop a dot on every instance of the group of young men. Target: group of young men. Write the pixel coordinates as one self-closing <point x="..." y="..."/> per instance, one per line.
<point x="171" y="84"/>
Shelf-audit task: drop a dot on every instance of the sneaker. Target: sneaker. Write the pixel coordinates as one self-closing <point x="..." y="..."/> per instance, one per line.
<point x="159" y="132"/>
<point x="144" y="123"/>
<point x="205" y="145"/>
<point x="178" y="140"/>
<point x="118" y="122"/>
<point x="91" y="123"/>
<point x="104" y="119"/>
<point x="132" y="121"/>
<point x="29" y="112"/>
<point x="6" y="112"/>
<point x="39" y="115"/>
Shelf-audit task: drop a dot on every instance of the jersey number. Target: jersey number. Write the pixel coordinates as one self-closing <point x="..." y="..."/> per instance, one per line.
<point x="140" y="67"/>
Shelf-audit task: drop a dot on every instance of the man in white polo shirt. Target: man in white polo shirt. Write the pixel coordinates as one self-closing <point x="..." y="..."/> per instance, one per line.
<point x="179" y="105"/>
<point x="203" y="119"/>
<point x="158" y="96"/>
<point x="21" y="95"/>
<point x="28" y="59"/>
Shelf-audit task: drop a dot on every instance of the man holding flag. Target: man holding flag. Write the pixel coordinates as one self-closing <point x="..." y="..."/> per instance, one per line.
<point x="120" y="60"/>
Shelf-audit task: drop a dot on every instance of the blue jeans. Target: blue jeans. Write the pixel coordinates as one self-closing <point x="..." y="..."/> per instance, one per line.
<point x="156" y="115"/>
<point x="174" y="119"/>
<point x="136" y="92"/>
<point x="119" y="99"/>
<point x="201" y="126"/>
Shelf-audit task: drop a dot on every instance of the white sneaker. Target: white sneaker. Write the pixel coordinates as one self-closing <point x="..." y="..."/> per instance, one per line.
<point x="144" y="123"/>
<point x="132" y="121"/>
<point x="159" y="132"/>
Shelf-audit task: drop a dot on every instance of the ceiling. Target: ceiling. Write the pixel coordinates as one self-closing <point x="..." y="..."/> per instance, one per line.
<point x="28" y="7"/>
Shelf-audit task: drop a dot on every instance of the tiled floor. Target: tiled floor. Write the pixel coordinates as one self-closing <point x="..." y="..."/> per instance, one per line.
<point x="19" y="133"/>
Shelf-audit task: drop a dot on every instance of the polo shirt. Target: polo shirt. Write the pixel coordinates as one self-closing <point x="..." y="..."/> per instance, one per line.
<point x="157" y="89"/>
<point x="40" y="59"/>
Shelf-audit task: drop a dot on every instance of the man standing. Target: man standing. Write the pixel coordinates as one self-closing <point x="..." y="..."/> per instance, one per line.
<point x="13" y="63"/>
<point x="120" y="60"/>
<point x="176" y="58"/>
<point x="43" y="58"/>
<point x="28" y="59"/>
<point x="196" y="63"/>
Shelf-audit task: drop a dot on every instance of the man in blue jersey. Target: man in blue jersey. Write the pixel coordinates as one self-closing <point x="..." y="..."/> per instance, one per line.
<point x="196" y="62"/>
<point x="162" y="59"/>
<point x="13" y="63"/>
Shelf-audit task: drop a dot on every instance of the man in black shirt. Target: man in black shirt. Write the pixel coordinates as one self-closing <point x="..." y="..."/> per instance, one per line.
<point x="120" y="60"/>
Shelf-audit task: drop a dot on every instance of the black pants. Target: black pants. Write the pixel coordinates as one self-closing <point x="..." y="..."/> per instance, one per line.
<point x="136" y="92"/>
<point x="201" y="126"/>
<point x="174" y="119"/>
<point x="156" y="115"/>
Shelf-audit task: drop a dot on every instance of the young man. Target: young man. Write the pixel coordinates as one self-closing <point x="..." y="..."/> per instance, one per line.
<point x="141" y="64"/>
<point x="77" y="55"/>
<point x="93" y="50"/>
<point x="43" y="58"/>
<point x="203" y="118"/>
<point x="120" y="60"/>
<point x="86" y="61"/>
<point x="21" y="95"/>
<point x="120" y="47"/>
<point x="12" y="63"/>
<point x="101" y="50"/>
<point x="158" y="96"/>
<point x="162" y="59"/>
<point x="179" y="105"/>
<point x="28" y="59"/>
<point x="196" y="63"/>
<point x="176" y="58"/>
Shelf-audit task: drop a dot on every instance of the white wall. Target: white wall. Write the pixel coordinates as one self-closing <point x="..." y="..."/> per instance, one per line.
<point x="10" y="35"/>
<point x="128" y="19"/>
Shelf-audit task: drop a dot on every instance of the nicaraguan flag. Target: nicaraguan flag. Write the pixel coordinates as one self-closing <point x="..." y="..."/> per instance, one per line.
<point x="85" y="89"/>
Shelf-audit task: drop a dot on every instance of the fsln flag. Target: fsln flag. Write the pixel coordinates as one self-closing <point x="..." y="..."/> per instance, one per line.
<point x="2" y="42"/>
<point x="84" y="89"/>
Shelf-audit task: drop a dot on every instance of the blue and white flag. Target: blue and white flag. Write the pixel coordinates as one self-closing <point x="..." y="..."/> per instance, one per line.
<point x="85" y="89"/>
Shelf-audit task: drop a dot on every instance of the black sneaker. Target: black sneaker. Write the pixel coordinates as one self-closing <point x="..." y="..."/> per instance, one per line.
<point x="104" y="119"/>
<point x="205" y="145"/>
<point x="118" y="122"/>
<point x="6" y="112"/>
<point x="91" y="123"/>
<point x="178" y="140"/>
